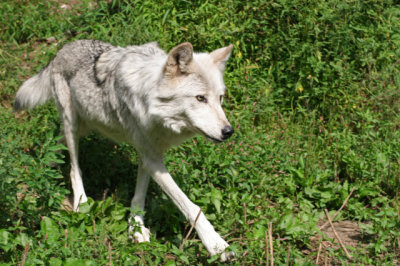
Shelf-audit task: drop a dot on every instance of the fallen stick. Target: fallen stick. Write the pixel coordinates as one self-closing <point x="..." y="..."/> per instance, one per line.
<point x="190" y="231"/>
<point x="66" y="238"/>
<point x="25" y="255"/>
<point x="109" y="252"/>
<point x="266" y="249"/>
<point x="271" y="247"/>
<point x="104" y="195"/>
<point x="319" y="253"/>
<point x="245" y="213"/>
<point x="288" y="257"/>
<point x="337" y="236"/>
<point x="340" y="209"/>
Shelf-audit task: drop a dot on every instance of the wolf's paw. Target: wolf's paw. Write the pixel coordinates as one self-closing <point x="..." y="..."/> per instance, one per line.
<point x="224" y="255"/>
<point x="227" y="256"/>
<point x="219" y="247"/>
<point x="137" y="231"/>
<point x="139" y="237"/>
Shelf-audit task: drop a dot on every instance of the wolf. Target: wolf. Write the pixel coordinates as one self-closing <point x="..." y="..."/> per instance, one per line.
<point x="140" y="95"/>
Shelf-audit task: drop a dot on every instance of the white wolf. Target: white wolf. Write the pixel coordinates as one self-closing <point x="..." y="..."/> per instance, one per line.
<point x="143" y="96"/>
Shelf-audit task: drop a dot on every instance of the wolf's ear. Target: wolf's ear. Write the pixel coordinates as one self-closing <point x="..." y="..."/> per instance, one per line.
<point x="179" y="59"/>
<point x="221" y="55"/>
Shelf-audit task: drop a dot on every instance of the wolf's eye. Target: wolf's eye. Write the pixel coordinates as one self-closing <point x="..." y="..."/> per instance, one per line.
<point x="201" y="98"/>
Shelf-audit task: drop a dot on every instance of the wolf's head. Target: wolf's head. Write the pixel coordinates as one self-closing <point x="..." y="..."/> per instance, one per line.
<point x="192" y="92"/>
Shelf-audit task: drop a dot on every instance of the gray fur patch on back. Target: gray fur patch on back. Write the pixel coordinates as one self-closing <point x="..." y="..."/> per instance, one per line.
<point x="108" y="62"/>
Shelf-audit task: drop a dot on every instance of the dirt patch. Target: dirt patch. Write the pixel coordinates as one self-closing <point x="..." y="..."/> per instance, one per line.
<point x="68" y="203"/>
<point x="321" y="243"/>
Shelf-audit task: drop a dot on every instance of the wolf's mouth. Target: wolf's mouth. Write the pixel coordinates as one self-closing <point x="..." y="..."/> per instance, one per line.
<point x="209" y="137"/>
<point x="214" y="139"/>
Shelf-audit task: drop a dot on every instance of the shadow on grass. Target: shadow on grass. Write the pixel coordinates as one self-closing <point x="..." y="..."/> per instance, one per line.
<point x="111" y="168"/>
<point x="106" y="168"/>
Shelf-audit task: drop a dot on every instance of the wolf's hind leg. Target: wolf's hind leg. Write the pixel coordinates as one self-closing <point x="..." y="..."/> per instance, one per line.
<point x="70" y="122"/>
<point x="76" y="175"/>
<point x="138" y="202"/>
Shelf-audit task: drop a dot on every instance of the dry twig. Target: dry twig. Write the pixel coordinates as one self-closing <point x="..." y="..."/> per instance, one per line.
<point x="266" y="249"/>
<point x="66" y="237"/>
<point x="340" y="209"/>
<point x="337" y="236"/>
<point x="77" y="207"/>
<point x="319" y="253"/>
<point x="288" y="257"/>
<point x="271" y="247"/>
<point x="190" y="231"/>
<point x="109" y="252"/>
<point x="104" y="195"/>
<point x="25" y="254"/>
<point x="94" y="225"/>
<point x="245" y="213"/>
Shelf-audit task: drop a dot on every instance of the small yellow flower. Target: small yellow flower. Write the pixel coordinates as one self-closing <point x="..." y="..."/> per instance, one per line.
<point x="319" y="55"/>
<point x="239" y="55"/>
<point x="299" y="88"/>
<point x="267" y="91"/>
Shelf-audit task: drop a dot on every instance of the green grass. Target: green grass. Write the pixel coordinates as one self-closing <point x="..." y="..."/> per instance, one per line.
<point x="314" y="98"/>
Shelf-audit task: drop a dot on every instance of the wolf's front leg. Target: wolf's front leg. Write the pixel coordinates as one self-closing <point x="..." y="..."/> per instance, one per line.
<point x="138" y="202"/>
<point x="211" y="239"/>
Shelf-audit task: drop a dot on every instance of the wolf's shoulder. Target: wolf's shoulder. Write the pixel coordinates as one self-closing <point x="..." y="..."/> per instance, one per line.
<point x="147" y="49"/>
<point x="86" y="46"/>
<point x="98" y="47"/>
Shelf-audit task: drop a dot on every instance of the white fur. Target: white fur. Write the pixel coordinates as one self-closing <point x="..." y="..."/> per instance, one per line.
<point x="141" y="95"/>
<point x="29" y="98"/>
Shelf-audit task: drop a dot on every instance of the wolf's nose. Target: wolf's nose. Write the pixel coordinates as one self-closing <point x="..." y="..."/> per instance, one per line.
<point x="227" y="131"/>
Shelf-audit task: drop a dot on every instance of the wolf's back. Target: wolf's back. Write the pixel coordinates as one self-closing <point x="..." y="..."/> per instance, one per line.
<point x="74" y="57"/>
<point x="35" y="91"/>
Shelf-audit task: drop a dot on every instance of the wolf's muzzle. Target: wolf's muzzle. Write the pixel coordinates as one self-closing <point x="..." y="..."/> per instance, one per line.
<point x="227" y="131"/>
